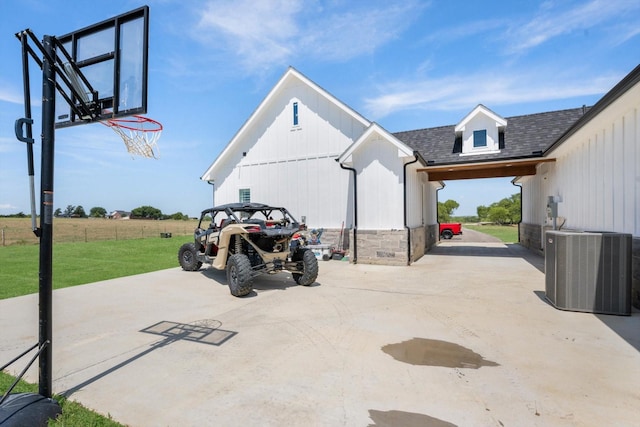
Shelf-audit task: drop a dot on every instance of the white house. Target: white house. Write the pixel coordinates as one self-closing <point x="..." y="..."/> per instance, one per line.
<point x="304" y="149"/>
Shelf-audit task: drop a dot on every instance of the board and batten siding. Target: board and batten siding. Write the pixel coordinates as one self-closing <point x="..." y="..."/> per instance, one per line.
<point x="596" y="173"/>
<point x="380" y="185"/>
<point x="417" y="195"/>
<point x="294" y="165"/>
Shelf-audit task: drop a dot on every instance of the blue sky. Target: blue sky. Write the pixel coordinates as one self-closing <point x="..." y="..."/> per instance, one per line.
<point x="406" y="65"/>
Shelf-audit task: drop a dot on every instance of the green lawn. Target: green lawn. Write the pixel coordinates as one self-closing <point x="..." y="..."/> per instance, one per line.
<point x="506" y="233"/>
<point x="80" y="263"/>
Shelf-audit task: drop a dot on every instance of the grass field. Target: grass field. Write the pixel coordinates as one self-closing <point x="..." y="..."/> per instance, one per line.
<point x="506" y="233"/>
<point x="18" y="230"/>
<point x="80" y="263"/>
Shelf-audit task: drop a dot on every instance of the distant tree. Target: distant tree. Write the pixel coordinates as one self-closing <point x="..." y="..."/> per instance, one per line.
<point x="16" y="215"/>
<point x="515" y="211"/>
<point x="57" y="212"/>
<point x="499" y="215"/>
<point x="97" y="212"/>
<point x="69" y="210"/>
<point x="146" y="212"/>
<point x="465" y="219"/>
<point x="445" y="210"/>
<point x="506" y="211"/>
<point x="483" y="213"/>
<point x="178" y="216"/>
<point x="79" y="212"/>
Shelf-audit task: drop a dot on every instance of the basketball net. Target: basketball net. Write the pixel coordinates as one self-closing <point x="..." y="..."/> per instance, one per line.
<point x="139" y="134"/>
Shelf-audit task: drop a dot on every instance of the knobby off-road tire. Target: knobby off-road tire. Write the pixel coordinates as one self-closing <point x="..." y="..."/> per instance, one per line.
<point x="447" y="234"/>
<point x="239" y="275"/>
<point x="187" y="257"/>
<point x="310" y="265"/>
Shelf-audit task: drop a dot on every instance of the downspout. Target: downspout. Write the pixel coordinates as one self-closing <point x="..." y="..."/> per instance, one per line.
<point x="404" y="178"/>
<point x="213" y="192"/>
<point x="355" y="211"/>
<point x="513" y="182"/>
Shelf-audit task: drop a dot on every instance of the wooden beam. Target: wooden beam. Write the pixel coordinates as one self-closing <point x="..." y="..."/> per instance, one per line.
<point x="483" y="170"/>
<point x="482" y="173"/>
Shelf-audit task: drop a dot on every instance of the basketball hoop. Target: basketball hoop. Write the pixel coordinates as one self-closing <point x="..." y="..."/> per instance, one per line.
<point x="139" y="134"/>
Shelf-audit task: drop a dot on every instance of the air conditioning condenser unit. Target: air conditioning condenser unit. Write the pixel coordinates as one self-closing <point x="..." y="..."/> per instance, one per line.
<point x="588" y="271"/>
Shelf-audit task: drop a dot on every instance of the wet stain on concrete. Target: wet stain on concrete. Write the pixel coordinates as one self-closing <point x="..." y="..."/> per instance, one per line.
<point x="405" y="419"/>
<point x="422" y="351"/>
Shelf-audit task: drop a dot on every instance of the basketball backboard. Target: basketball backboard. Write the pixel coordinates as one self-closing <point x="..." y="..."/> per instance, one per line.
<point x="113" y="57"/>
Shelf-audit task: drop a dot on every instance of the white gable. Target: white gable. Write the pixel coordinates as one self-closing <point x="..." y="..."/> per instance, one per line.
<point x="285" y="154"/>
<point x="319" y="115"/>
<point x="480" y="131"/>
<point x="375" y="132"/>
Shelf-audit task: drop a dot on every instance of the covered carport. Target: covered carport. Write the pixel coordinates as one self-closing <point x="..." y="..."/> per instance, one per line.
<point x="485" y="145"/>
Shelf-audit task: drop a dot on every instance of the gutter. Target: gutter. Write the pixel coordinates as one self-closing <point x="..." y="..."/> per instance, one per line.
<point x="416" y="156"/>
<point x="355" y="210"/>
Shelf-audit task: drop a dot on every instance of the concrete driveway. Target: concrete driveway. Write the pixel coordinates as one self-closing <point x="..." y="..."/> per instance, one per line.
<point x="463" y="337"/>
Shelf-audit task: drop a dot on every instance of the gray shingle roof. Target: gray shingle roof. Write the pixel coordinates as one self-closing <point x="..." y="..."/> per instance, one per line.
<point x="524" y="137"/>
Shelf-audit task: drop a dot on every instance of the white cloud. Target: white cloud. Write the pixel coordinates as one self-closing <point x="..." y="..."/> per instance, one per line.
<point x="464" y="92"/>
<point x="257" y="32"/>
<point x="550" y="22"/>
<point x="271" y="33"/>
<point x="10" y="94"/>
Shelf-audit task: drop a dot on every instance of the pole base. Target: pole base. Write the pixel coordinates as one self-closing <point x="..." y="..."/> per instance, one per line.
<point x="28" y="409"/>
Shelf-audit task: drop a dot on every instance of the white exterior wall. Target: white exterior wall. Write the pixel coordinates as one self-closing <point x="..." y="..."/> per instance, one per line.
<point x="380" y="186"/>
<point x="416" y="200"/>
<point x="294" y="166"/>
<point x="597" y="173"/>
<point x="535" y="190"/>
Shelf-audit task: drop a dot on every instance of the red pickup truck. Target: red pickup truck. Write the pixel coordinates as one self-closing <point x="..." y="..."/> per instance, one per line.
<point x="448" y="230"/>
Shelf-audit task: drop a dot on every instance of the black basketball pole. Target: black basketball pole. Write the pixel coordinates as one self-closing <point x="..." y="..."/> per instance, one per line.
<point x="46" y="216"/>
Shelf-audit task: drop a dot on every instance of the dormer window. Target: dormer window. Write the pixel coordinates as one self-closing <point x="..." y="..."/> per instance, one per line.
<point x="295" y="114"/>
<point x="480" y="132"/>
<point x="479" y="138"/>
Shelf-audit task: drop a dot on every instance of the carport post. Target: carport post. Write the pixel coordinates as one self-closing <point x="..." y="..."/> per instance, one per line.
<point x="46" y="217"/>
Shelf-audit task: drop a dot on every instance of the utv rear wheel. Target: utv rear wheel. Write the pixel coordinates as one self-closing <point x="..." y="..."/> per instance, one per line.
<point x="447" y="234"/>
<point x="239" y="275"/>
<point x="309" y="265"/>
<point x="188" y="257"/>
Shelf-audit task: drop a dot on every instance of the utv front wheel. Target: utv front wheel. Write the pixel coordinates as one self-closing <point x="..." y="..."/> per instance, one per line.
<point x="307" y="260"/>
<point x="187" y="257"/>
<point x="239" y="275"/>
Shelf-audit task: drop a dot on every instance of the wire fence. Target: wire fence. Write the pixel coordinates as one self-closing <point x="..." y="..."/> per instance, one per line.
<point x="17" y="231"/>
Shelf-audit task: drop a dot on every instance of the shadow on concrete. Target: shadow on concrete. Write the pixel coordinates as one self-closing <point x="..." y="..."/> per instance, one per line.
<point x="262" y="282"/>
<point x="506" y="250"/>
<point x="406" y="419"/>
<point x="203" y="331"/>
<point x="543" y="297"/>
<point x="626" y="327"/>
